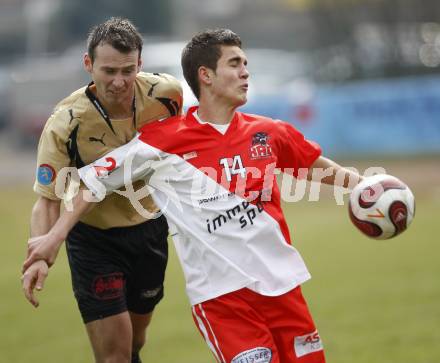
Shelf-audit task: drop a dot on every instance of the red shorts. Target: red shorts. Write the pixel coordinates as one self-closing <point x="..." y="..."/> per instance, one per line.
<point x="246" y="327"/>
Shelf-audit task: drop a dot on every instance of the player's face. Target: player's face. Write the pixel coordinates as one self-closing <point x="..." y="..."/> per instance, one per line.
<point x="114" y="73"/>
<point x="230" y="80"/>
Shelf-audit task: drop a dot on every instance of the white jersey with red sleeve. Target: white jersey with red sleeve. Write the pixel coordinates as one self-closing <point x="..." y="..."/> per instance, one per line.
<point x="220" y="197"/>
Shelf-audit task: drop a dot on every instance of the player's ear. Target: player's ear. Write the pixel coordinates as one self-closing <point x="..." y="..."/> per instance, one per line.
<point x="88" y="65"/>
<point x="205" y="75"/>
<point x="139" y="64"/>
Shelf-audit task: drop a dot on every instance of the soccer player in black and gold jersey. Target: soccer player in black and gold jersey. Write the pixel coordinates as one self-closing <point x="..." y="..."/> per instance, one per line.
<point x="117" y="256"/>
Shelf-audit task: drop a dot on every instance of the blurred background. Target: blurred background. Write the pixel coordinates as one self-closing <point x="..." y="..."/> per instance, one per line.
<point x="347" y="71"/>
<point x="361" y="77"/>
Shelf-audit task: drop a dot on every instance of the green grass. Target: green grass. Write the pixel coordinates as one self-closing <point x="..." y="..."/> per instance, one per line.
<point x="373" y="301"/>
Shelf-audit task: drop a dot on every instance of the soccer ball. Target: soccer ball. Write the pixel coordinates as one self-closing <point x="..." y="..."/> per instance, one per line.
<point x="381" y="206"/>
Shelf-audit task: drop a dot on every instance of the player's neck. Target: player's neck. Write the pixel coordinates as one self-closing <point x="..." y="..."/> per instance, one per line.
<point x="120" y="110"/>
<point x="215" y="113"/>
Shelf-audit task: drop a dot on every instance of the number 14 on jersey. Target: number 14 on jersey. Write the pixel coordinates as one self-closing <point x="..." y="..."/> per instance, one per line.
<point x="234" y="168"/>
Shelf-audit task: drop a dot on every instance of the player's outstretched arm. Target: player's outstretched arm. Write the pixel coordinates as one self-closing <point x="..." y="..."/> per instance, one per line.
<point x="45" y="213"/>
<point x="101" y="178"/>
<point x="46" y="247"/>
<point x="327" y="171"/>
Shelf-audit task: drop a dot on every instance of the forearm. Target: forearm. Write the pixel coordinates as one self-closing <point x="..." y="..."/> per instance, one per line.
<point x="70" y="217"/>
<point x="329" y="172"/>
<point x="45" y="247"/>
<point x="44" y="215"/>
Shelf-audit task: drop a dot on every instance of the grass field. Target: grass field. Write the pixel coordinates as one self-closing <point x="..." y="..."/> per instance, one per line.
<point x="373" y="301"/>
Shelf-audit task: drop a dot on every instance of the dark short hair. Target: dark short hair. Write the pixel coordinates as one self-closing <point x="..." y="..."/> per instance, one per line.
<point x="120" y="33"/>
<point x="204" y="49"/>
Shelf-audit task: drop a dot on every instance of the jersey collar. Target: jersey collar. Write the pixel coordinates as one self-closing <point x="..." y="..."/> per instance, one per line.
<point x="207" y="127"/>
<point x="100" y="108"/>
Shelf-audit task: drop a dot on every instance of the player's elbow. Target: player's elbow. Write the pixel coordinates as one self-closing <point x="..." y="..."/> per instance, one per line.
<point x="44" y="203"/>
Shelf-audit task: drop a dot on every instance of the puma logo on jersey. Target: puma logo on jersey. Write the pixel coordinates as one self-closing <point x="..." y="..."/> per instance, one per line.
<point x="72" y="117"/>
<point x="150" y="92"/>
<point x="95" y="139"/>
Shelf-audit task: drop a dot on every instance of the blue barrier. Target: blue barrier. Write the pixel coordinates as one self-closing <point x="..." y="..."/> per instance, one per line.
<point x="371" y="117"/>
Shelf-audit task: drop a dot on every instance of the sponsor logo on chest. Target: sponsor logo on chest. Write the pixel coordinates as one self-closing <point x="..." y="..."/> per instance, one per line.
<point x="244" y="213"/>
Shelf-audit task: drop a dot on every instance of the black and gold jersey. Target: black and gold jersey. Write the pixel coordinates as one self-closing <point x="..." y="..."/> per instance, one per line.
<point x="79" y="131"/>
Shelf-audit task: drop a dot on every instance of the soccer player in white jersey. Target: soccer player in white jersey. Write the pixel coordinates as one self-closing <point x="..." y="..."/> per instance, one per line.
<point x="214" y="181"/>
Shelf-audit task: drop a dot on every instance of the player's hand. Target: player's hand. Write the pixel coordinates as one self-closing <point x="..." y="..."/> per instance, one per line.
<point x="34" y="278"/>
<point x="43" y="247"/>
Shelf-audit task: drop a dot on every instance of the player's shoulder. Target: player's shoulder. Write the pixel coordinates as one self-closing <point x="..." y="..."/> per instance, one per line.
<point x="163" y="126"/>
<point x="158" y="95"/>
<point x="69" y="111"/>
<point x="260" y="120"/>
<point x="275" y="126"/>
<point x="159" y="84"/>
<point x="168" y="134"/>
<point x="77" y="99"/>
<point x="159" y="132"/>
<point x="249" y="117"/>
<point x="264" y="119"/>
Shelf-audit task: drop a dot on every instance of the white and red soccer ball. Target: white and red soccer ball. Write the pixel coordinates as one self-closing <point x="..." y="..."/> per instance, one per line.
<point x="381" y="206"/>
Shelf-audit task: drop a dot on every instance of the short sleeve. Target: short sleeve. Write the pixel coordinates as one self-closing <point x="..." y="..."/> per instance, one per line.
<point x="171" y="89"/>
<point x="294" y="150"/>
<point x="52" y="157"/>
<point x="161" y="97"/>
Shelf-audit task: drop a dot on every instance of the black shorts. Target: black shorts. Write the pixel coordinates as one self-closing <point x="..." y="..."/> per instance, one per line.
<point x="117" y="269"/>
